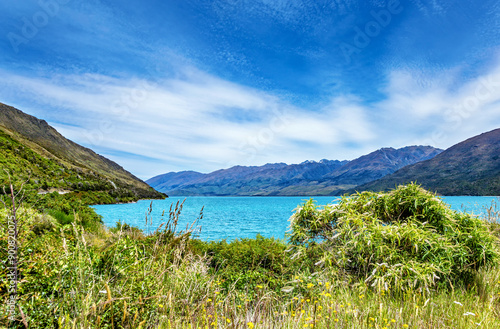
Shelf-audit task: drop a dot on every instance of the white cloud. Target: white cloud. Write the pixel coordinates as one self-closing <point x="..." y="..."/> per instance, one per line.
<point x="200" y="122"/>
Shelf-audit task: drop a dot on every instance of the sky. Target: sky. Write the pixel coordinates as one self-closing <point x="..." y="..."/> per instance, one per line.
<point x="161" y="86"/>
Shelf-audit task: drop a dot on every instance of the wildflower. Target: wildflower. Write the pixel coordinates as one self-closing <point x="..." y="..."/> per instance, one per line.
<point x="250" y="325"/>
<point x="260" y="287"/>
<point x="160" y="305"/>
<point x="392" y="320"/>
<point x="372" y="319"/>
<point x="405" y="325"/>
<point x="310" y="285"/>
<point x="217" y="292"/>
<point x="209" y="300"/>
<point x="361" y="296"/>
<point x="336" y="320"/>
<point x="228" y="320"/>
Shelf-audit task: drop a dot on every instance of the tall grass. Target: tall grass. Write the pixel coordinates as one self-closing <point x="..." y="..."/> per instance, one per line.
<point x="122" y="278"/>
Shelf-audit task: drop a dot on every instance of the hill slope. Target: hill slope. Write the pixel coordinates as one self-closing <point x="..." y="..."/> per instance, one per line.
<point x="326" y="177"/>
<point x="31" y="148"/>
<point x="471" y="167"/>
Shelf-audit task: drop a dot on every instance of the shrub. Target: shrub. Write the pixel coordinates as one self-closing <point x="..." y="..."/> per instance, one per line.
<point x="405" y="239"/>
<point x="248" y="262"/>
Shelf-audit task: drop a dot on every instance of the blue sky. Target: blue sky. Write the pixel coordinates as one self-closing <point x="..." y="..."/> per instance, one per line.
<point x="162" y="86"/>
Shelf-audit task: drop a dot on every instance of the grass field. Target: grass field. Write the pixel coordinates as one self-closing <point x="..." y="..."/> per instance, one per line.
<point x="77" y="277"/>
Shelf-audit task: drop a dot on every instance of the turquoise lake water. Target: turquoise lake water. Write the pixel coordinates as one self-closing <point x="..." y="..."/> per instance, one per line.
<point x="240" y="217"/>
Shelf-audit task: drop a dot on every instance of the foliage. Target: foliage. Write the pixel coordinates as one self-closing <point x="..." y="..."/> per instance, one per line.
<point x="247" y="263"/>
<point x="402" y="240"/>
<point x="73" y="277"/>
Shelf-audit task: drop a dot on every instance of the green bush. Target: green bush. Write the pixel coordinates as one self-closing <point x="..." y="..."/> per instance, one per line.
<point x="403" y="240"/>
<point x="247" y="263"/>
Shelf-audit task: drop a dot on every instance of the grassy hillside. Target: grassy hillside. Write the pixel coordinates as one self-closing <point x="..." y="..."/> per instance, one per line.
<point x="44" y="140"/>
<point x="54" y="187"/>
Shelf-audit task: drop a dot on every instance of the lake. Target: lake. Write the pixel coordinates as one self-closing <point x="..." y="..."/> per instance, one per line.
<point x="240" y="217"/>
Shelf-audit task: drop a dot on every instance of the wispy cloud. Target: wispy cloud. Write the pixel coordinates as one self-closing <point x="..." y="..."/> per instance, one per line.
<point x="200" y="85"/>
<point x="201" y="122"/>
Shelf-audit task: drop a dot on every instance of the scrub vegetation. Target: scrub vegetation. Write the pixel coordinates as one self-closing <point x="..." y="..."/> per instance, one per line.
<point x="400" y="259"/>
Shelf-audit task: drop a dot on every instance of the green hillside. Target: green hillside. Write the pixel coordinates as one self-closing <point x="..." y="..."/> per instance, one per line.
<point x="46" y="141"/>
<point x="57" y="175"/>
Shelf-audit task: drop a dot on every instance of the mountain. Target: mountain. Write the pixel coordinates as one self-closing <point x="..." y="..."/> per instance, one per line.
<point x="326" y="177"/>
<point x="269" y="179"/>
<point x="378" y="164"/>
<point x="32" y="149"/>
<point x="471" y="167"/>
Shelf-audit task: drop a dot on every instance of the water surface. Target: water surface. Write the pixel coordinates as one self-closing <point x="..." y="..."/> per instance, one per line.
<point x="240" y="217"/>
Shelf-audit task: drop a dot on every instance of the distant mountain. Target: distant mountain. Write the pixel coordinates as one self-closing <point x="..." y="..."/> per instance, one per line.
<point x="326" y="177"/>
<point x="31" y="148"/>
<point x="380" y="163"/>
<point x="471" y="167"/>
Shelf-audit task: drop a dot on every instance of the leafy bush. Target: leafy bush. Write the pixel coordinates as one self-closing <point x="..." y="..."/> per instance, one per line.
<point x="404" y="239"/>
<point x="247" y="262"/>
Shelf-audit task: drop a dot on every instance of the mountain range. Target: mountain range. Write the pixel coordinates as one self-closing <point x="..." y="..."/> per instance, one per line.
<point x="326" y="177"/>
<point x="471" y="167"/>
<point x="35" y="153"/>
